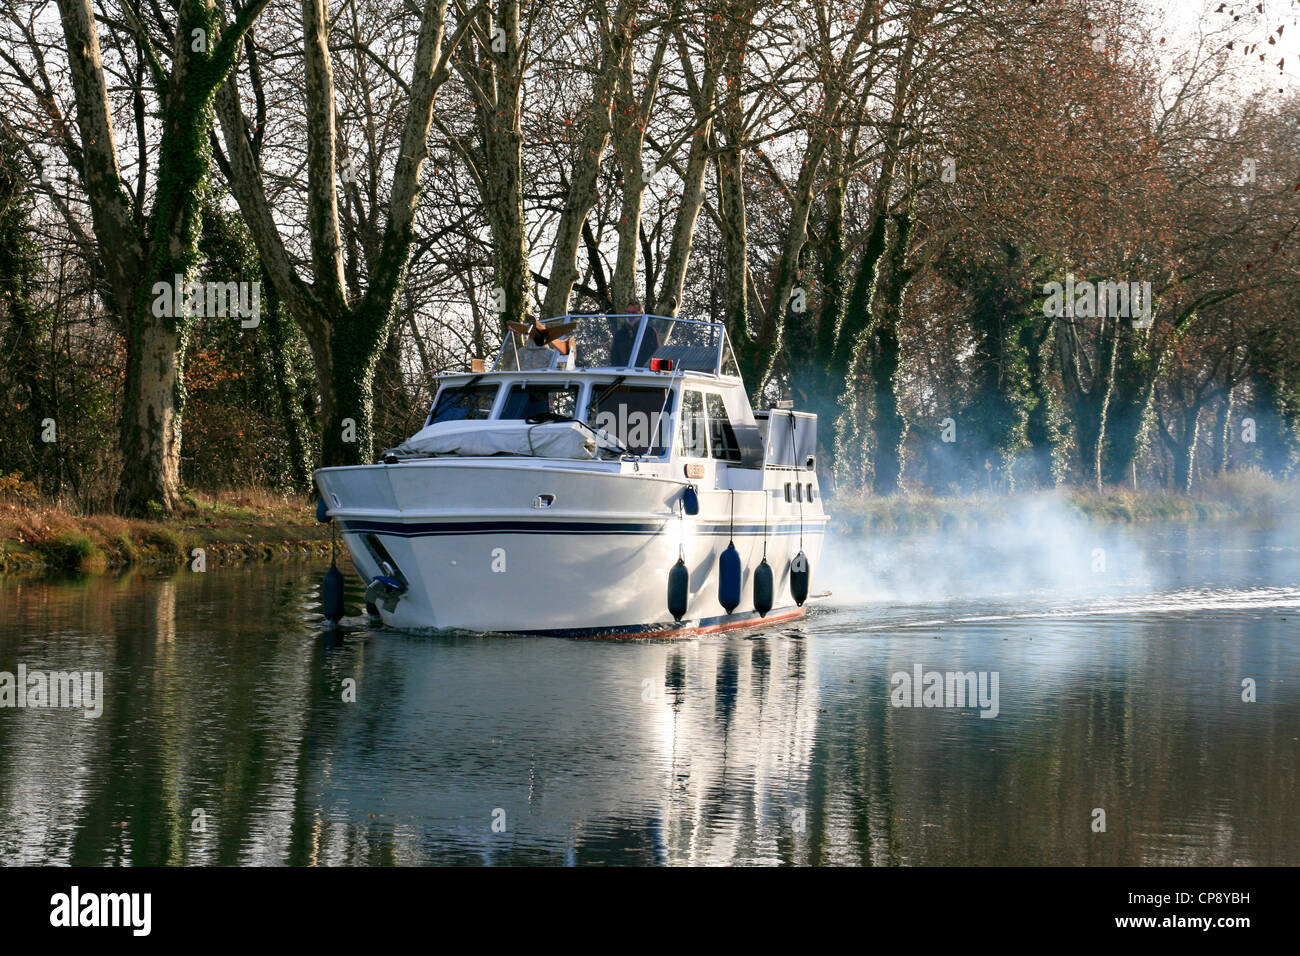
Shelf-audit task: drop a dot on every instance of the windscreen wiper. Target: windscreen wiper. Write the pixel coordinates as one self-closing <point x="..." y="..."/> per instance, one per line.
<point x="608" y="390"/>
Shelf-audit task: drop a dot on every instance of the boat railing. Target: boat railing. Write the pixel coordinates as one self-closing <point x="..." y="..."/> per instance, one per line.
<point x="618" y="340"/>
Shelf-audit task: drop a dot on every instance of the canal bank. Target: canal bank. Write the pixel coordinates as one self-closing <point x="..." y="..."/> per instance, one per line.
<point x="38" y="537"/>
<point x="1246" y="496"/>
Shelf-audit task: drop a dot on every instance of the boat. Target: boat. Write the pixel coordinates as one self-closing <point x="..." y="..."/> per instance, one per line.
<point x="607" y="476"/>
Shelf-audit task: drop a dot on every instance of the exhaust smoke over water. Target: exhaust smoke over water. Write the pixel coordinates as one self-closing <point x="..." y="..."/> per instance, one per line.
<point x="1043" y="559"/>
<point x="1041" y="690"/>
<point x="1041" y="547"/>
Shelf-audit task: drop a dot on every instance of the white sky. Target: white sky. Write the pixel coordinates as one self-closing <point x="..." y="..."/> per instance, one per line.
<point x="1184" y="20"/>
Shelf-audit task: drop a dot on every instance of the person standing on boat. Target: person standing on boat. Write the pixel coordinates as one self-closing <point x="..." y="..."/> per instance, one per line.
<point x="625" y="337"/>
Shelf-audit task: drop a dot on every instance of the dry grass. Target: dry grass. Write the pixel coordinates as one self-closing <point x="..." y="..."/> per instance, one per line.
<point x="254" y="501"/>
<point x="234" y="524"/>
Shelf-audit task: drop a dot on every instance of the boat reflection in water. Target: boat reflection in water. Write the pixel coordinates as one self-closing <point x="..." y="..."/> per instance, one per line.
<point x="573" y="752"/>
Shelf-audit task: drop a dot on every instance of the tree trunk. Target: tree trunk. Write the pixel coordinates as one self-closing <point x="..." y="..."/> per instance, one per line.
<point x="1222" y="432"/>
<point x="730" y="165"/>
<point x="850" y="342"/>
<point x="1130" y="402"/>
<point x="1275" y="430"/>
<point x="1087" y="394"/>
<point x="692" y="201"/>
<point x="297" y="434"/>
<point x="888" y="425"/>
<point x="154" y="394"/>
<point x="1040" y="427"/>
<point x="347" y="373"/>
<point x="997" y="416"/>
<point x="812" y="373"/>
<point x="494" y="78"/>
<point x="151" y="419"/>
<point x="502" y="144"/>
<point x="632" y="116"/>
<point x="1185" y="455"/>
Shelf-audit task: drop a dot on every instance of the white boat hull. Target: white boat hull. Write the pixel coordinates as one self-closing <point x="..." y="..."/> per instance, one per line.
<point x="477" y="555"/>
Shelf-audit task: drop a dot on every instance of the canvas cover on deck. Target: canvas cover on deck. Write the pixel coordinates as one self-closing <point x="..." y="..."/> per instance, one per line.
<point x="480" y="438"/>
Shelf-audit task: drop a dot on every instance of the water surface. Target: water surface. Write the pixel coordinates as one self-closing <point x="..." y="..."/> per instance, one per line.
<point x="225" y="737"/>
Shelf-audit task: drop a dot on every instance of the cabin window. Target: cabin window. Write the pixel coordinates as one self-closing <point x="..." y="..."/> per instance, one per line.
<point x="788" y="495"/>
<point x="694" y="438"/>
<point x="636" y="415"/>
<point x="463" y="402"/>
<point x="721" y="435"/>
<point x="810" y="498"/>
<point x="536" y="400"/>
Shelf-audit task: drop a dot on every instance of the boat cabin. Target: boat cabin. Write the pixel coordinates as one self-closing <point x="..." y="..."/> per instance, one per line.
<point x="658" y="389"/>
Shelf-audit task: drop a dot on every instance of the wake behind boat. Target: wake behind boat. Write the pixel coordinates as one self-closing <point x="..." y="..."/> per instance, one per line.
<point x="608" y="476"/>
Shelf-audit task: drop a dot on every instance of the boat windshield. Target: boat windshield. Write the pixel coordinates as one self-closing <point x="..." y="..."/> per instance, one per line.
<point x="638" y="417"/>
<point x="461" y="402"/>
<point x="530" y="400"/>
<point x="618" y="341"/>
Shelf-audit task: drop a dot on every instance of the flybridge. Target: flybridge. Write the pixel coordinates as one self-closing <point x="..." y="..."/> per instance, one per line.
<point x="625" y="341"/>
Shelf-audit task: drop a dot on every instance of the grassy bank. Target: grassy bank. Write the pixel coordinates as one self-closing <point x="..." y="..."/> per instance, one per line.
<point x="1246" y="496"/>
<point x="37" y="536"/>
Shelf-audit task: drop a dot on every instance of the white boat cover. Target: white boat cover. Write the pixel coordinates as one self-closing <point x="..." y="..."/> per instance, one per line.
<point x="480" y="438"/>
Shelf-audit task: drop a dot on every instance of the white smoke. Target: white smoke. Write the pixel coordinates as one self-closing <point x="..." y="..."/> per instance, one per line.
<point x="1041" y="548"/>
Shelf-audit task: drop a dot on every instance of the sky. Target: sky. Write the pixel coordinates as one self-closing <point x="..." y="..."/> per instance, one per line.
<point x="1183" y="21"/>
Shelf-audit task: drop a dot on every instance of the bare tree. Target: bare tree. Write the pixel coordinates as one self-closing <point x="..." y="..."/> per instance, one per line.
<point x="346" y="331"/>
<point x="144" y="253"/>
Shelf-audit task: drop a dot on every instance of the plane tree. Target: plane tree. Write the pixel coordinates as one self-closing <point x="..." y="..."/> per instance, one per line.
<point x="145" y="218"/>
<point x="343" y="296"/>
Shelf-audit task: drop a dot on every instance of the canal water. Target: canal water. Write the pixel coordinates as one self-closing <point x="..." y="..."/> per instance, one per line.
<point x="1147" y="711"/>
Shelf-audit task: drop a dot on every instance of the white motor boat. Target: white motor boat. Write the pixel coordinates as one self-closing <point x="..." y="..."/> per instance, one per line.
<point x="607" y="477"/>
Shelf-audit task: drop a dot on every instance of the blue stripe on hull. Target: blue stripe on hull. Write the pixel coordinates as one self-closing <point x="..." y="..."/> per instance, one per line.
<point x="420" y="529"/>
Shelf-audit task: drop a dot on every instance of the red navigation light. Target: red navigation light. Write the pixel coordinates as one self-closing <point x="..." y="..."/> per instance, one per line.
<point x="661" y="365"/>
